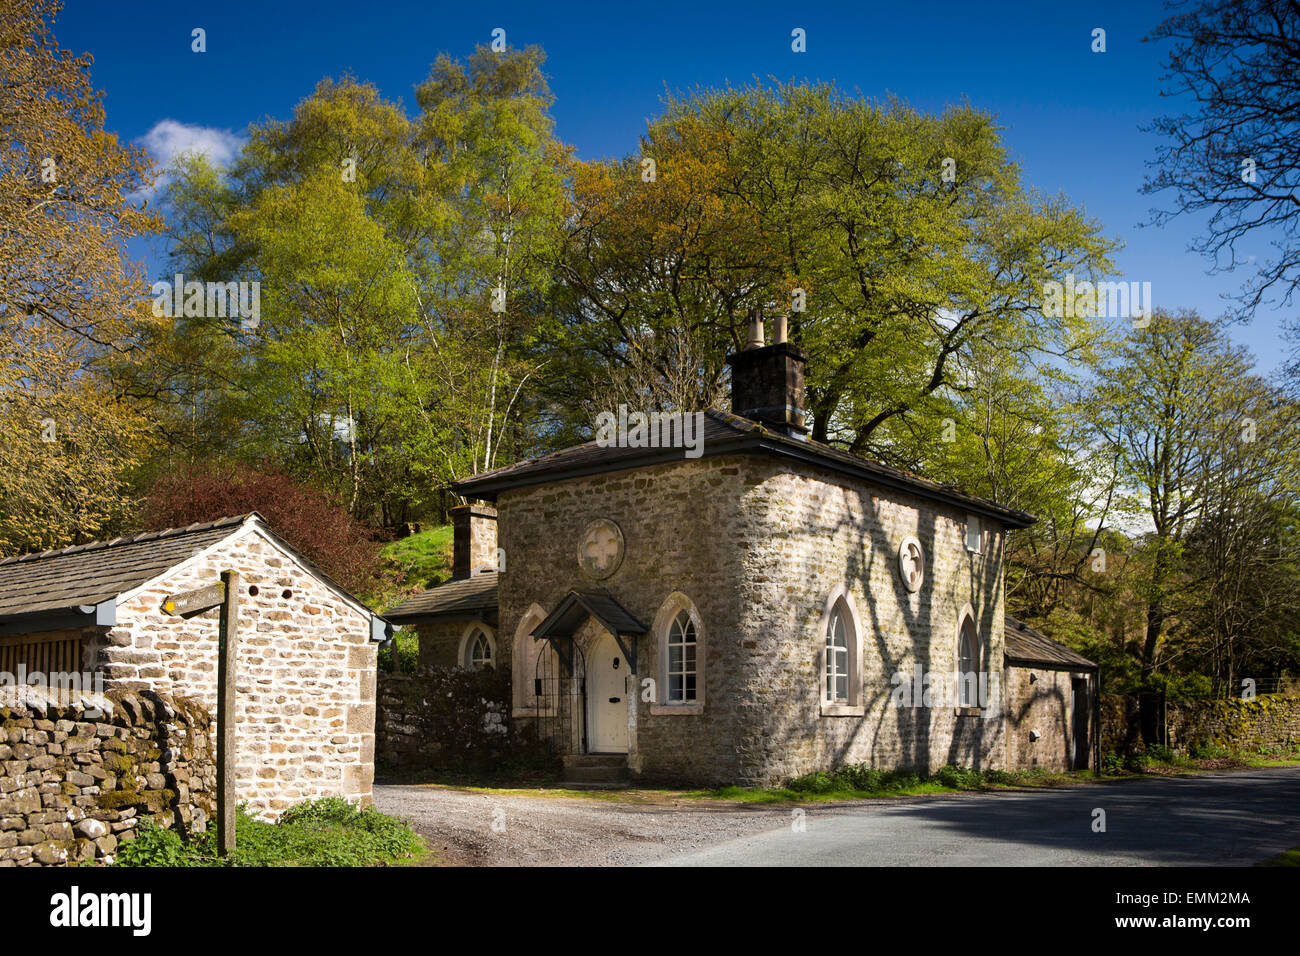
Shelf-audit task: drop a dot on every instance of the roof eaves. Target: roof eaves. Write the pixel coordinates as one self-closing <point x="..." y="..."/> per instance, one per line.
<point x="488" y="487"/>
<point x="880" y="476"/>
<point x="102" y="614"/>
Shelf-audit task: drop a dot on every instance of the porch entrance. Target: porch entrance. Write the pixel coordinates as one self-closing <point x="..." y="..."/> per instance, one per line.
<point x="587" y="700"/>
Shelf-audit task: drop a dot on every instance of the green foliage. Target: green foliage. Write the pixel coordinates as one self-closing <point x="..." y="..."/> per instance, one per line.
<point x="1202" y="750"/>
<point x="381" y="367"/>
<point x="423" y="558"/>
<point x="959" y="778"/>
<point x="325" y="832"/>
<point x="155" y="846"/>
<point x="859" y="778"/>
<point x="411" y="564"/>
<point x="406" y="645"/>
<point x="1136" y="762"/>
<point x="1159" y="753"/>
<point x="1112" y="764"/>
<point x="819" y="782"/>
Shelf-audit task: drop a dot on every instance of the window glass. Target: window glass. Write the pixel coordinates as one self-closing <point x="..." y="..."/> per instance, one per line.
<point x="681" y="659"/>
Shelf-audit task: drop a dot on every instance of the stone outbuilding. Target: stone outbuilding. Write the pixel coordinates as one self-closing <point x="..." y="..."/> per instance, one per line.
<point x="305" y="653"/>
<point x="731" y="603"/>
<point x="1053" y="702"/>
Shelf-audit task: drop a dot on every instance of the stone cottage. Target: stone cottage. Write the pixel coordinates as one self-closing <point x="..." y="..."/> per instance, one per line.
<point x="748" y="610"/>
<point x="305" y="658"/>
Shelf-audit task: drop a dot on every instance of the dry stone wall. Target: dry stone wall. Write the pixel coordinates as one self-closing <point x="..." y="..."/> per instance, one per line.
<point x="77" y="776"/>
<point x="446" y="718"/>
<point x="1269" y="721"/>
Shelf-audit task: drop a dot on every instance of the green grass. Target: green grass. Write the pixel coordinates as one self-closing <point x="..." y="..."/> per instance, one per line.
<point x="1289" y="858"/>
<point x="863" y="783"/>
<point x="762" y="795"/>
<point x="409" y="565"/>
<point x="849" y="783"/>
<point x="327" y="832"/>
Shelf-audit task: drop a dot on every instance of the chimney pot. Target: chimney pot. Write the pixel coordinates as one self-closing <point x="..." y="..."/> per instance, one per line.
<point x="755" y="328"/>
<point x="778" y="330"/>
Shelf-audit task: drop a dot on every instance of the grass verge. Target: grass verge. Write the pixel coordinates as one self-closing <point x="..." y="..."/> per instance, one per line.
<point x="327" y="832"/>
<point x="859" y="782"/>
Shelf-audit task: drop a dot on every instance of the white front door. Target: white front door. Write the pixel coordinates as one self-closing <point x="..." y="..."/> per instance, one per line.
<point x="608" y="686"/>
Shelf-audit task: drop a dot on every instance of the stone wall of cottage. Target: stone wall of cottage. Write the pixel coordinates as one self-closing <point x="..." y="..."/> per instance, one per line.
<point x="812" y="534"/>
<point x="682" y="533"/>
<point x="1043" y="701"/>
<point x="305" y="683"/>
<point x="77" y="774"/>
<point x="758" y="552"/>
<point x="440" y="641"/>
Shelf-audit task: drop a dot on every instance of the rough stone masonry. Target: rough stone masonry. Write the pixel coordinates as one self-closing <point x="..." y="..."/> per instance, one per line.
<point x="76" y="777"/>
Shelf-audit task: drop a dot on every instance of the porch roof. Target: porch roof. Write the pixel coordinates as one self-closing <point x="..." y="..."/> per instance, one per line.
<point x="576" y="606"/>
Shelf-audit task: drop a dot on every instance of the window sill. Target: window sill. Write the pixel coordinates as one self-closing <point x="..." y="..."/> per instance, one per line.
<point x="969" y="711"/>
<point x="694" y="708"/>
<point x="843" y="710"/>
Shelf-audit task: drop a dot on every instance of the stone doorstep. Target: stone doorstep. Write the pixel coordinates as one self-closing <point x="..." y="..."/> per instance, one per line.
<point x="595" y="771"/>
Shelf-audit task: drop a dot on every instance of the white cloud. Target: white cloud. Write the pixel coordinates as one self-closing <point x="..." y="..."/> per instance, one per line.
<point x="169" y="138"/>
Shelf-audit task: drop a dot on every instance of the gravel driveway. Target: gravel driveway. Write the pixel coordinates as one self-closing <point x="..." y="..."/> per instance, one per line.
<point x="471" y="828"/>
<point x="1232" y="818"/>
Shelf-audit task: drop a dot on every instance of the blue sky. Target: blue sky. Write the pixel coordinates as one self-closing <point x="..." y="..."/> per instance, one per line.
<point x="1071" y="116"/>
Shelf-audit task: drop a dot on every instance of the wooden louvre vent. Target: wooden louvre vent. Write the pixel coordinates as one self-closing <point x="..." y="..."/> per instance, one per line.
<point x="45" y="653"/>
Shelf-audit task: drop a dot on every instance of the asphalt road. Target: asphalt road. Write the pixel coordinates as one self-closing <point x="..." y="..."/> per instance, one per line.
<point x="1228" y="819"/>
<point x="1234" y="818"/>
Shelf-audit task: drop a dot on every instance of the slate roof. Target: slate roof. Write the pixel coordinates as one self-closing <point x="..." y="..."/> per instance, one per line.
<point x="725" y="433"/>
<point x="70" y="582"/>
<point x="470" y="597"/>
<point x="1024" y="645"/>
<point x="88" y="574"/>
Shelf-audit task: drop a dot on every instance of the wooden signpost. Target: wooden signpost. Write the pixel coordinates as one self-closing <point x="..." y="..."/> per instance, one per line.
<point x="224" y="595"/>
<point x="195" y="602"/>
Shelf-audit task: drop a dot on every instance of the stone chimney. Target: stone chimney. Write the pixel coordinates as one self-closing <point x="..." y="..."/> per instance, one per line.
<point x="474" y="540"/>
<point x="767" y="380"/>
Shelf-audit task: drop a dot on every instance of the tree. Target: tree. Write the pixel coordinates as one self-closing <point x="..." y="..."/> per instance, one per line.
<point x="1160" y="406"/>
<point x="1026" y="440"/>
<point x="843" y="213"/>
<point x="385" y="363"/>
<point x="69" y="298"/>
<point x="1234" y="152"/>
<point x="1242" y="557"/>
<point x="487" y="142"/>
<point x="313" y="521"/>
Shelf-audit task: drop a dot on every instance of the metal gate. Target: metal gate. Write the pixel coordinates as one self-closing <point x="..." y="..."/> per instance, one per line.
<point x="560" y="689"/>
